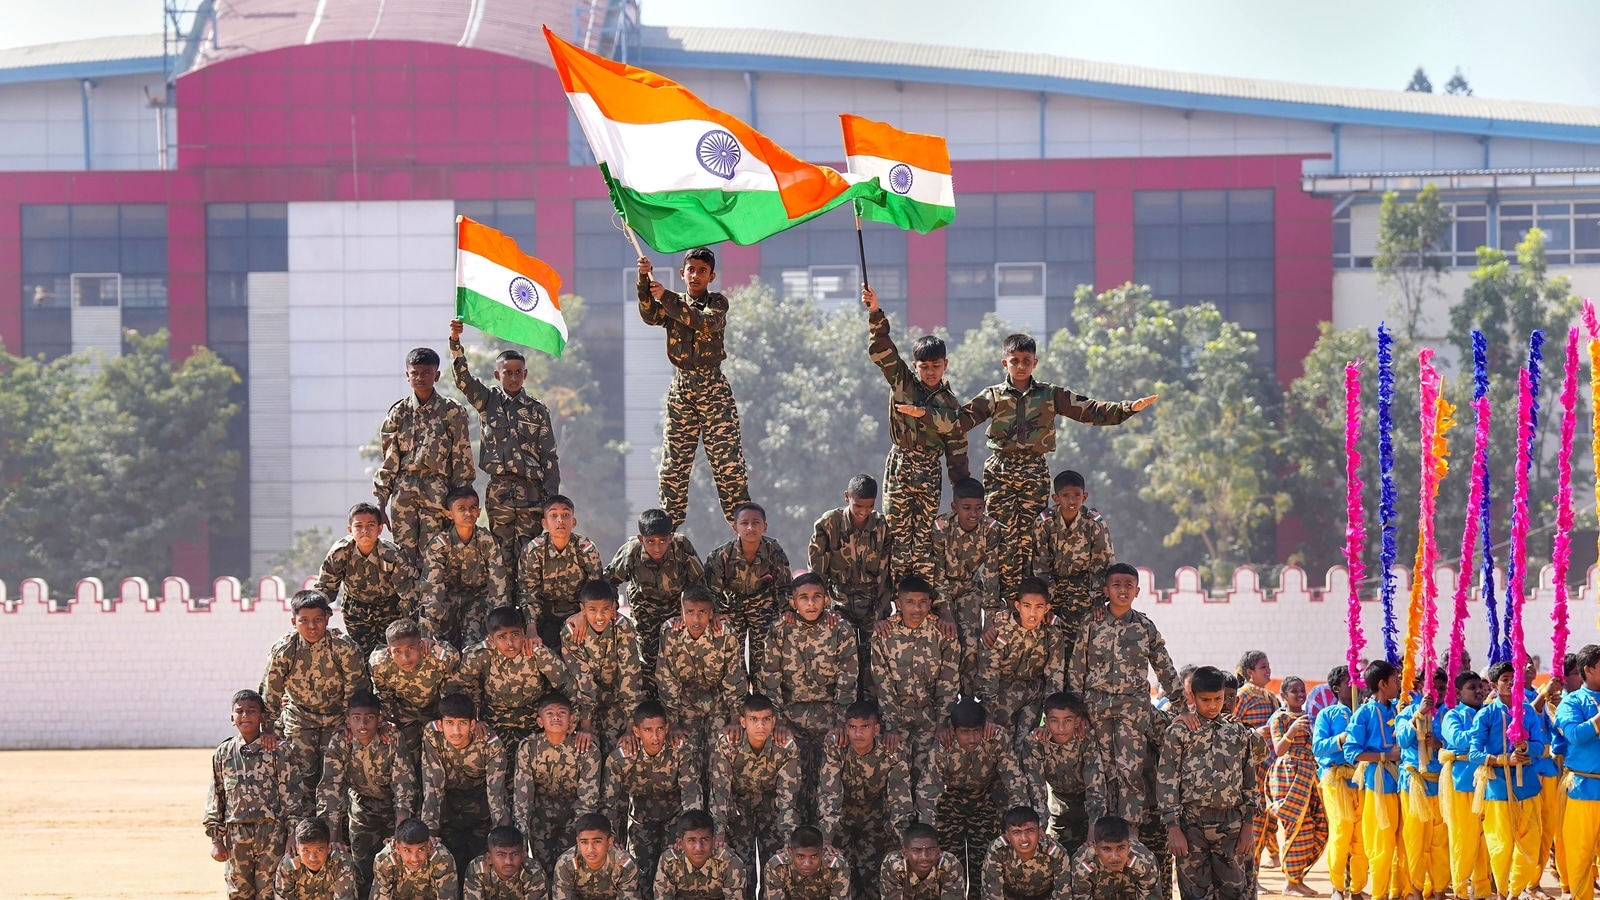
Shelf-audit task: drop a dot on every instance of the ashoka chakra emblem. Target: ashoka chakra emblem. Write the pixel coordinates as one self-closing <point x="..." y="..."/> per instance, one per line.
<point x="524" y="294"/>
<point x="900" y="178"/>
<point x="719" y="153"/>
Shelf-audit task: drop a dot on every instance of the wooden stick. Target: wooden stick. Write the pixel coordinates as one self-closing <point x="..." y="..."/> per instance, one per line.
<point x="632" y="239"/>
<point x="861" y="244"/>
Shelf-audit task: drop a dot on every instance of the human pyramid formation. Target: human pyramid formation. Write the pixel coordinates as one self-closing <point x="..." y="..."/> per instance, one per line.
<point x="942" y="706"/>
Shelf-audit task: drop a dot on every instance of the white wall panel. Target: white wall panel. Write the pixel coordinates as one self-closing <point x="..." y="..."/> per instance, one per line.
<point x="271" y="468"/>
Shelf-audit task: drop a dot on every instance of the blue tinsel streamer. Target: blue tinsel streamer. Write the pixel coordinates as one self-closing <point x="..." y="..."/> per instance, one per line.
<point x="1388" y="494"/>
<point x="1535" y="357"/>
<point x="1480" y="388"/>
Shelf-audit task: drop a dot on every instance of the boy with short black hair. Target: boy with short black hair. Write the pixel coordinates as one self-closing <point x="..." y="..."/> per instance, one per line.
<point x="1346" y="854"/>
<point x="463" y="780"/>
<point x="695" y="868"/>
<point x="1072" y="550"/>
<point x="1511" y="825"/>
<point x="700" y="403"/>
<point x="503" y="873"/>
<point x="517" y="447"/>
<point x="1114" y="866"/>
<point x="967" y="782"/>
<point x="315" y="870"/>
<point x="749" y="577"/>
<point x="915" y="669"/>
<point x="700" y="673"/>
<point x="1417" y="729"/>
<point x="1057" y="765"/>
<point x="255" y="798"/>
<point x="311" y="674"/>
<point x="556" y="779"/>
<point x="806" y="869"/>
<point x="811" y="670"/>
<point x="1024" y="861"/>
<point x="1022" y="661"/>
<point x="369" y="776"/>
<point x="1206" y="786"/>
<point x="595" y="869"/>
<point x="508" y="673"/>
<point x="409" y="674"/>
<point x="378" y="578"/>
<point x="1469" y="855"/>
<point x="647" y="786"/>
<point x="850" y="550"/>
<point x="414" y="866"/>
<point x="919" y="870"/>
<point x="601" y="649"/>
<point x="966" y="548"/>
<point x="425" y="453"/>
<point x="652" y="570"/>
<point x="553" y="567"/>
<point x="864" y="794"/>
<point x="1372" y="741"/>
<point x="754" y="782"/>
<point x="464" y="574"/>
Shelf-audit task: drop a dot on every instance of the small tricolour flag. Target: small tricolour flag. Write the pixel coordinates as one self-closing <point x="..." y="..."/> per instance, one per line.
<point x="914" y="170"/>
<point x="505" y="292"/>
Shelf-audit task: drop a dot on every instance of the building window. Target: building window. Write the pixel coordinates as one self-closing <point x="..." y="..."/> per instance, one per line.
<point x="1571" y="230"/>
<point x="1021" y="254"/>
<point x="820" y="261"/>
<point x="91" y="255"/>
<point x="512" y="218"/>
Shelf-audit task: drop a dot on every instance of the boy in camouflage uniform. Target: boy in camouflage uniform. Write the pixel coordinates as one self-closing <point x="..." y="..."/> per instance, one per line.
<point x="807" y="869"/>
<point x="464" y="574"/>
<point x="1024" y="862"/>
<point x="695" y="868"/>
<point x="749" y="577"/>
<point x="850" y="550"/>
<point x="1021" y="413"/>
<point x="754" y="782"/>
<point x="652" y="571"/>
<point x="811" y="669"/>
<point x="602" y="651"/>
<point x="370" y="777"/>
<point x="914" y="671"/>
<point x="508" y="673"/>
<point x="701" y="670"/>
<point x="1115" y="866"/>
<point x="864" y="796"/>
<point x="410" y="674"/>
<point x="426" y="452"/>
<point x="1056" y="764"/>
<point x="552" y="569"/>
<point x="596" y="869"/>
<point x="966" y="545"/>
<point x="648" y="781"/>
<point x="919" y="870"/>
<point x="379" y="580"/>
<point x="503" y="873"/>
<point x="1072" y="549"/>
<point x="463" y="781"/>
<point x="557" y="778"/>
<point x="1022" y="661"/>
<point x="517" y="447"/>
<point x="414" y="866"/>
<point x="315" y="870"/>
<point x="960" y="786"/>
<point x="924" y="420"/>
<point x="254" y="799"/>
<point x="311" y="674"/>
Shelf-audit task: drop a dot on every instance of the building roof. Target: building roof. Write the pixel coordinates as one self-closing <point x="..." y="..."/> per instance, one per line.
<point x="91" y="58"/>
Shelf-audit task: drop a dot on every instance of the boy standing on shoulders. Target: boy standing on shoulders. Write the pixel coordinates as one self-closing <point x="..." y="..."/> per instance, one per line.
<point x="254" y="800"/>
<point x="602" y="652"/>
<point x="701" y="670"/>
<point x="1072" y="552"/>
<point x="967" y="546"/>
<point x="850" y="550"/>
<point x="1022" y="662"/>
<point x="311" y="674"/>
<point x="552" y="569"/>
<point x="370" y="777"/>
<point x="426" y="452"/>
<point x="409" y="675"/>
<point x="378" y="579"/>
<point x="465" y="575"/>
<point x="749" y="578"/>
<point x="651" y="571"/>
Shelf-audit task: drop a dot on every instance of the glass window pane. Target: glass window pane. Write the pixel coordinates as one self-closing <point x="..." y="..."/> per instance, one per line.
<point x="46" y="292"/>
<point x="45" y="221"/>
<point x="1069" y="208"/>
<point x="1163" y="277"/>
<point x="1063" y="279"/>
<point x="1255" y="241"/>
<point x="1471" y="210"/>
<point x="1018" y="244"/>
<point x="974" y="211"/>
<point x="1583" y="209"/>
<point x="1512" y="231"/>
<point x="1250" y="276"/>
<point x="227" y="289"/>
<point x="1252" y="313"/>
<point x="95" y="256"/>
<point x="1250" y="206"/>
<point x="1019" y="280"/>
<point x="94" y="221"/>
<point x="1586" y="234"/>
<point x="1557" y="233"/>
<point x="144" y="256"/>
<point x="1471" y="235"/>
<point x="476" y="210"/>
<point x="269" y="220"/>
<point x="1205" y="207"/>
<point x="1157" y="242"/>
<point x="1156" y="208"/>
<point x="1204" y="279"/>
<point x="1064" y="244"/>
<point x="228" y="254"/>
<point x="1204" y="242"/>
<point x="144" y="292"/>
<point x="46" y="256"/>
<point x="1508" y="210"/>
<point x="1555" y="209"/>
<point x="226" y="219"/>
<point x="269" y="254"/>
<point x="974" y="246"/>
<point x="144" y="220"/>
<point x="1019" y="209"/>
<point x="969" y="282"/>
<point x="1341" y="236"/>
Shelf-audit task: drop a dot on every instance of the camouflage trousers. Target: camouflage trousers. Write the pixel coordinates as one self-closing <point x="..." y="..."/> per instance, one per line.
<point x="864" y="837"/>
<point x="919" y="728"/>
<point x="701" y="409"/>
<point x="1153" y="835"/>
<point x="515" y="506"/>
<point x="1121" y="729"/>
<point x="810" y="724"/>
<point x="459" y="617"/>
<point x="307" y="745"/>
<point x="416" y="511"/>
<point x="610" y="720"/>
<point x="549" y="831"/>
<point x="646" y="842"/>
<point x="648" y="617"/>
<point x="858" y="605"/>
<point x="1016" y="492"/>
<point x="409" y="734"/>
<point x="912" y="483"/>
<point x="254" y="849"/>
<point x="1019" y="707"/>
<point x="366" y="620"/>
<point x="751" y="617"/>
<point x="1070" y="603"/>
<point x="371" y="823"/>
<point x="1213" y="869"/>
<point x="966" y="826"/>
<point x="464" y="824"/>
<point x="1069" y="822"/>
<point x="971" y="610"/>
<point x="753" y="832"/>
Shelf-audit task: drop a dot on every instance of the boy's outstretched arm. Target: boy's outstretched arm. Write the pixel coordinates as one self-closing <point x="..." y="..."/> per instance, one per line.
<point x="650" y="292"/>
<point x="1097" y="412"/>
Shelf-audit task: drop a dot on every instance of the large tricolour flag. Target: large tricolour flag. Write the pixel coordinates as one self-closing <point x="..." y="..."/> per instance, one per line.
<point x="914" y="170"/>
<point x="683" y="174"/>
<point x="505" y="292"/>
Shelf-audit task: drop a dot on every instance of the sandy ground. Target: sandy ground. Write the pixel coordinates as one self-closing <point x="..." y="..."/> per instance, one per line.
<point x="126" y="824"/>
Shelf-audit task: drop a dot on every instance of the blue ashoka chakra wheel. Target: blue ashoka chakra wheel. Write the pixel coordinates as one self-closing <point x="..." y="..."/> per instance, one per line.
<point x="719" y="153"/>
<point x="524" y="294"/>
<point x="900" y="178"/>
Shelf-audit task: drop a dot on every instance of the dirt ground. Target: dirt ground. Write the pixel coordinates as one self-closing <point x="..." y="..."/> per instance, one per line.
<point x="85" y="824"/>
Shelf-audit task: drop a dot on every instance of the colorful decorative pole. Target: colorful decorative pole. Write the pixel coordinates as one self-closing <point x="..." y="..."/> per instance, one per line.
<point x="1517" y="597"/>
<point x="1476" y="498"/>
<point x="1422" y="615"/>
<point x="1591" y="323"/>
<point x="1561" y="553"/>
<point x="1499" y="645"/>
<point x="1387" y="493"/>
<point x="1355" y="528"/>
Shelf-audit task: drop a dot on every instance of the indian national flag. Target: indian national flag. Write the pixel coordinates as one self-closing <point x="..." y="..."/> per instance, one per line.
<point x="913" y="168"/>
<point x="505" y="292"/>
<point x="683" y="174"/>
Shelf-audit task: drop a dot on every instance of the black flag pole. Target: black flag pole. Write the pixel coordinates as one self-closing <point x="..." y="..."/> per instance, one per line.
<point x="860" y="243"/>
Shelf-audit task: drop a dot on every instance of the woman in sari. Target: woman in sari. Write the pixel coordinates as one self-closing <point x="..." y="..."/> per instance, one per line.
<point x="1255" y="708"/>
<point x="1292" y="790"/>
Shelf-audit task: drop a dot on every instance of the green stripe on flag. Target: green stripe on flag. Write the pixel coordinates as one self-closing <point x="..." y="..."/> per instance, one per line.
<point x="502" y="321"/>
<point x="908" y="213"/>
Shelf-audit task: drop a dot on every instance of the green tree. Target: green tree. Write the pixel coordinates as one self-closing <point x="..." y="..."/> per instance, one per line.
<point x="1419" y="83"/>
<point x="301" y="559"/>
<point x="1457" y="85"/>
<point x="1410" y="236"/>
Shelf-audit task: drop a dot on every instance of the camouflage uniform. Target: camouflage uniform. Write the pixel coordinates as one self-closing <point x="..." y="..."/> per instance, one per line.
<point x="484" y="883"/>
<point x="507" y="689"/>
<point x="426" y="452"/>
<point x="391" y="880"/>
<point x="616" y="879"/>
<point x="862" y="804"/>
<point x="701" y="679"/>
<point x="409" y="697"/>
<point x="916" y="677"/>
<point x="911" y="476"/>
<point x="1020" y="669"/>
<point x="517" y="448"/>
<point x="1073" y="558"/>
<point x="810" y="674"/>
<point x="556" y="783"/>
<point x="305" y="688"/>
<point x="753" y="793"/>
<point x="750" y="593"/>
<point x="644" y="794"/>
<point x="1057" y="773"/>
<point x="947" y="881"/>
<point x="378" y="588"/>
<point x="254" y="801"/>
<point x="968" y="577"/>
<point x="549" y="580"/>
<point x="463" y="792"/>
<point x="1108" y="668"/>
<point x="376" y="784"/>
<point x="1022" y="430"/>
<point x="1136" y="881"/>
<point x="855" y="564"/>
<point x="723" y="877"/>
<point x="605" y="667"/>
<point x="462" y="581"/>
<point x="1043" y="876"/>
<point x="652" y="590"/>
<point x="1206" y="785"/>
<point x="958" y="794"/>
<point x="781" y="881"/>
<point x="1152" y="832"/>
<point x="335" y="881"/>
<point x="700" y="404"/>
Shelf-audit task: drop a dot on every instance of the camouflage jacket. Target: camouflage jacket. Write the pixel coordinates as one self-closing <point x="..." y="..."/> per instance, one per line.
<point x="959" y="776"/>
<point x="854" y="562"/>
<point x="479" y="766"/>
<point x="694" y="325"/>
<point x="1045" y="874"/>
<point x="507" y="688"/>
<point x="555" y="778"/>
<point x="516" y="437"/>
<point x="652" y="789"/>
<point x="721" y="878"/>
<point x="1136" y="881"/>
<point x="701" y="679"/>
<point x="969" y="566"/>
<point x="409" y="696"/>
<point x="916" y="672"/>
<point x="744" y="779"/>
<point x="1210" y="768"/>
<point x="335" y="881"/>
<point x="379" y="771"/>
<point x="427" y="439"/>
<point x="250" y="784"/>
<point x="936" y="432"/>
<point x="550" y="578"/>
<point x="1024" y="421"/>
<point x="1073" y="556"/>
<point x="782" y="881"/>
<point x="737" y="582"/>
<point x="484" y="883"/>
<point x="1112" y="657"/>
<point x="473" y="567"/>
<point x="1020" y="659"/>
<point x="381" y="574"/>
<point x="605" y="665"/>
<point x="307" y="685"/>
<point x="616" y="879"/>
<point x="810" y="662"/>
<point x="655" y="586"/>
<point x="947" y="881"/>
<point x="1057" y="773"/>
<point x="391" y="880"/>
<point x="855" y="790"/>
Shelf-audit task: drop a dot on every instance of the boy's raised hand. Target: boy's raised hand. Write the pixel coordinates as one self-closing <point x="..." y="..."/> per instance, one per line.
<point x="1144" y="402"/>
<point x="869" y="299"/>
<point x="645" y="269"/>
<point x="455" y="330"/>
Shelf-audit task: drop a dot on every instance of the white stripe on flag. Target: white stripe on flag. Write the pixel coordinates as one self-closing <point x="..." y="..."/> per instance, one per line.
<point x="665" y="156"/>
<point x="492" y="280"/>
<point x="934" y="188"/>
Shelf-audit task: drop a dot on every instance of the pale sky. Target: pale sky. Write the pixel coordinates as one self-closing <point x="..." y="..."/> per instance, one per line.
<point x="1532" y="50"/>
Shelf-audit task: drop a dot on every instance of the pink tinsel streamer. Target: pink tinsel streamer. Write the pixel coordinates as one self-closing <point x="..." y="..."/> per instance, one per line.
<point x="1516" y="594"/>
<point x="1355" y="531"/>
<point x="1443" y="421"/>
<point x="1562" y="551"/>
<point x="1422" y="619"/>
<point x="1469" y="540"/>
<point x="1592" y="323"/>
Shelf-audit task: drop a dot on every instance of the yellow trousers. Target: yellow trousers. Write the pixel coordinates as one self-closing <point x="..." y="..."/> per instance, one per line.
<point x="1511" y="829"/>
<point x="1427" y="846"/>
<point x="1469" y="857"/>
<point x="1550" y="797"/>
<point x="1347" y="858"/>
<point x="1381" y="836"/>
<point x="1580" y="839"/>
